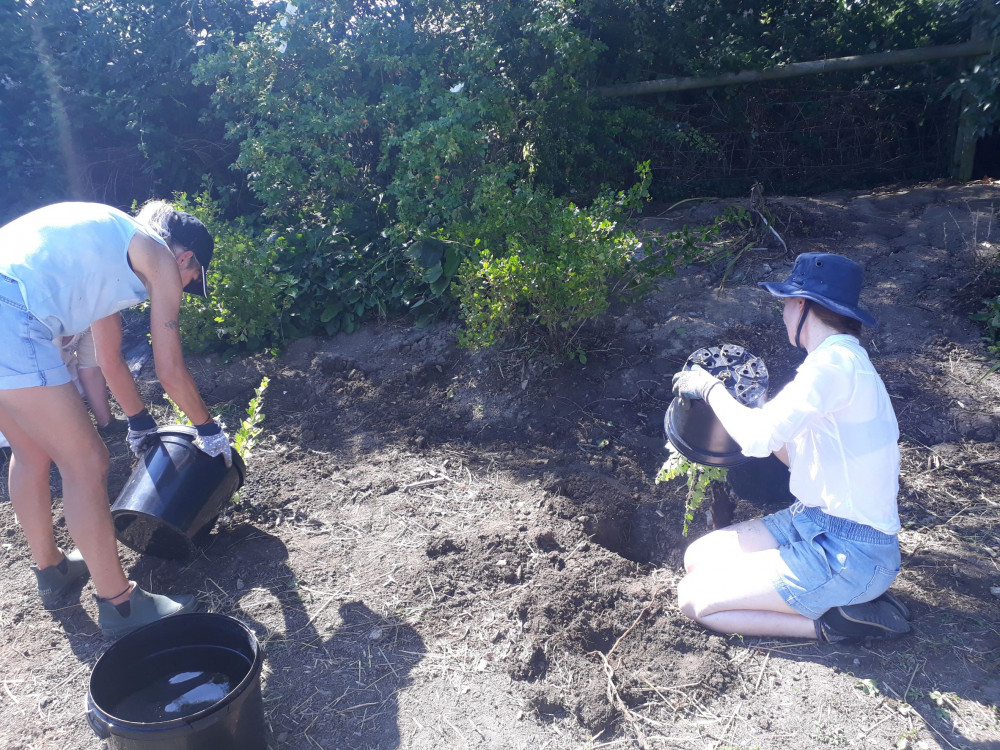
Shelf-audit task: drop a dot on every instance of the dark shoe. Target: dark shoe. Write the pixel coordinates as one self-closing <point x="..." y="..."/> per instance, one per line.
<point x="896" y="602"/>
<point x="854" y="623"/>
<point x="113" y="428"/>
<point x="56" y="580"/>
<point x="141" y="608"/>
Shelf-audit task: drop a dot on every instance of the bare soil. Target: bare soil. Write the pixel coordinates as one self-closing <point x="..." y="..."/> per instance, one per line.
<point x="441" y="549"/>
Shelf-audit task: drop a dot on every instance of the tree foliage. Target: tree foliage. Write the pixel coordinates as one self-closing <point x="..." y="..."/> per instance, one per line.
<point x="374" y="148"/>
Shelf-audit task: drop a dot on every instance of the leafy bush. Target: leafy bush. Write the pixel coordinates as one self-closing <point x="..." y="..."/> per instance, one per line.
<point x="333" y="282"/>
<point x="544" y="265"/>
<point x="249" y="299"/>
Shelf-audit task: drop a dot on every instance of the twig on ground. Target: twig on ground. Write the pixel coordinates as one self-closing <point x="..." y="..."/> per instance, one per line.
<point x="729" y="724"/>
<point x="910" y="683"/>
<point x="614" y="697"/>
<point x="426" y="483"/>
<point x="768" y="225"/>
<point x="761" y="675"/>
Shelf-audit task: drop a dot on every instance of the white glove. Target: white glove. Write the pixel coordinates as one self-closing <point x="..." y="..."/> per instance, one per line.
<point x="216" y="442"/>
<point x="694" y="383"/>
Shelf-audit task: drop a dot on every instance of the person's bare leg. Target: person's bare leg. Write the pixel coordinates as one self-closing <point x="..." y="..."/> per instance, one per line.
<point x="720" y="547"/>
<point x="52" y="421"/>
<point x="739" y="597"/>
<point x="95" y="388"/>
<point x="761" y="623"/>
<point x="28" y="477"/>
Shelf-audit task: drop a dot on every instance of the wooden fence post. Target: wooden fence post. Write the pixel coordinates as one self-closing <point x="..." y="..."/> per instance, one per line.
<point x="964" y="156"/>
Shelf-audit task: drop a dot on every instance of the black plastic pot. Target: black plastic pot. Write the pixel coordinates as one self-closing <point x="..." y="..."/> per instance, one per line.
<point x="174" y="495"/>
<point x="188" y="682"/>
<point x="761" y="481"/>
<point x="691" y="425"/>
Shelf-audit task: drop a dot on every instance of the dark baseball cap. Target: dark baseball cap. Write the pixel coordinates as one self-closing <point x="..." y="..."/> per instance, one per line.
<point x="188" y="231"/>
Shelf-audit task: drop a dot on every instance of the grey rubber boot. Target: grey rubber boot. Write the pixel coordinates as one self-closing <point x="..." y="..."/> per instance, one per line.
<point x="56" y="580"/>
<point x="141" y="608"/>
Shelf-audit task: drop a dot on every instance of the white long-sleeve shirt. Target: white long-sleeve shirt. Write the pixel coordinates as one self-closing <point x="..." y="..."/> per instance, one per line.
<point x="837" y="423"/>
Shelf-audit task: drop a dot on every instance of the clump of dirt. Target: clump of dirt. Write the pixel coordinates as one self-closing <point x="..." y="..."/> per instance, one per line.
<point x="446" y="549"/>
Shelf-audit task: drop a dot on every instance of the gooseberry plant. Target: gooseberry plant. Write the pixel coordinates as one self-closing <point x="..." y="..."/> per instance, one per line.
<point x="245" y="439"/>
<point x="699" y="479"/>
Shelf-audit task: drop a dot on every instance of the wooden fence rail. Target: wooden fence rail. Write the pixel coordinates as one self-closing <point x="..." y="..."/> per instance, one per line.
<point x="792" y="70"/>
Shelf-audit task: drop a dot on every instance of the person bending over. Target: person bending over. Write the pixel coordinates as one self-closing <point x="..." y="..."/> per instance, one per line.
<point x="63" y="268"/>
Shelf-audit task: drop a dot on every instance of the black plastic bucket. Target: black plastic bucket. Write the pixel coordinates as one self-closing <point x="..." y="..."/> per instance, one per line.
<point x="761" y="481"/>
<point x="691" y="425"/>
<point x="187" y="682"/>
<point x="174" y="495"/>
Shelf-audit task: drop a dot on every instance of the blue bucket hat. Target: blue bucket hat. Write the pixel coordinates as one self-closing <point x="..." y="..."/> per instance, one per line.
<point x="827" y="279"/>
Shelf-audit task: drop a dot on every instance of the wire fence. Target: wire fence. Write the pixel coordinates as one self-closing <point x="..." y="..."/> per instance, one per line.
<point x="802" y="141"/>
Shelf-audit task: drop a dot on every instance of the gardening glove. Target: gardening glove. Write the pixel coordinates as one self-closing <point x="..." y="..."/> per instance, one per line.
<point x="213" y="441"/>
<point x="141" y="430"/>
<point x="694" y="383"/>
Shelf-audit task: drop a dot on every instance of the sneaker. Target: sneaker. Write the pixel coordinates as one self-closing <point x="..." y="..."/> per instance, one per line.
<point x="896" y="602"/>
<point x="141" y="608"/>
<point x="56" y="580"/>
<point x="853" y="623"/>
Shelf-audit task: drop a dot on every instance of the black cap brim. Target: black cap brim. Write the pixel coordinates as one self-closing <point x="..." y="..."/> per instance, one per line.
<point x="200" y="285"/>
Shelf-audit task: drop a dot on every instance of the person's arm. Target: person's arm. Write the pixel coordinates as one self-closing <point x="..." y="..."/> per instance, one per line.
<point x="108" y="342"/>
<point x="156" y="267"/>
<point x="816" y="389"/>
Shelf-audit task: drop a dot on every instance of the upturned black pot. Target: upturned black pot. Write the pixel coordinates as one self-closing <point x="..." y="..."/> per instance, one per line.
<point x="691" y="425"/>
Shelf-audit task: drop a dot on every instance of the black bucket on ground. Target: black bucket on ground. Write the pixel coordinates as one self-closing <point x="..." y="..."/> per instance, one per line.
<point x="174" y="495"/>
<point x="691" y="425"/>
<point x="762" y="482"/>
<point x="187" y="682"/>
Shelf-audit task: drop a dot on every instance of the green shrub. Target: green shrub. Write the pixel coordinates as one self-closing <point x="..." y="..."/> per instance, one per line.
<point x="542" y="266"/>
<point x="332" y="282"/>
<point x="248" y="300"/>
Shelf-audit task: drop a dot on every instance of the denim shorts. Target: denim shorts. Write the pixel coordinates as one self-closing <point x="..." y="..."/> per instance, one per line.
<point x="829" y="561"/>
<point x="28" y="355"/>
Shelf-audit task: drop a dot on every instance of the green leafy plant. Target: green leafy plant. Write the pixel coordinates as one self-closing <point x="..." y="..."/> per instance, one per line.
<point x="245" y="438"/>
<point x="249" y="300"/>
<point x="699" y="479"/>
<point x="868" y="686"/>
<point x="989" y="316"/>
<point x="542" y="266"/>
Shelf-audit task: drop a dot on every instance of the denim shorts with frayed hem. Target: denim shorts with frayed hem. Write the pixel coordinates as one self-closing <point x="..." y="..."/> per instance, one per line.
<point x="829" y="561"/>
<point x="28" y="355"/>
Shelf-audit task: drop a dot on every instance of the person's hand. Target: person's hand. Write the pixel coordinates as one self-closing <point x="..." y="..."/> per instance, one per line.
<point x="694" y="383"/>
<point x="141" y="429"/>
<point x="214" y="441"/>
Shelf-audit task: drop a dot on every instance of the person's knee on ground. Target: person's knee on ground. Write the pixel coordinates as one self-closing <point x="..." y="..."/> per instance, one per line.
<point x="722" y="546"/>
<point x="685" y="600"/>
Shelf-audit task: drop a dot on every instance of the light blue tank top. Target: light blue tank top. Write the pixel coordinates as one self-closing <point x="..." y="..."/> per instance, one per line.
<point x="71" y="262"/>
